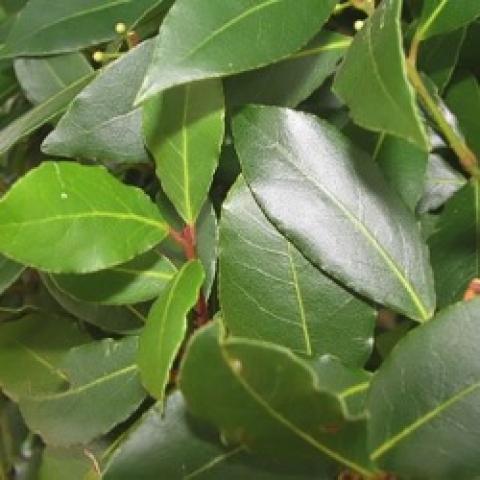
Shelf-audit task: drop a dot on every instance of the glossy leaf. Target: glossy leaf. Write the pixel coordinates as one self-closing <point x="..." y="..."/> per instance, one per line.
<point x="172" y="444"/>
<point x="196" y="42"/>
<point x="269" y="291"/>
<point x="42" y="78"/>
<point x="443" y="16"/>
<point x="375" y="66"/>
<point x="31" y="351"/>
<point x="101" y="374"/>
<point x="9" y="272"/>
<point x="166" y="328"/>
<point x="325" y="196"/>
<point x="43" y="28"/>
<point x="101" y="123"/>
<point x="424" y="408"/>
<point x="73" y="205"/>
<point x="139" y="280"/>
<point x="41" y="114"/>
<point x="184" y="130"/>
<point x="454" y="247"/>
<point x="292" y="80"/>
<point x="265" y="398"/>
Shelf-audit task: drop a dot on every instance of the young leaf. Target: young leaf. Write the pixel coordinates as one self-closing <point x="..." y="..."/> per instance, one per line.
<point x="139" y="280"/>
<point x="184" y="130"/>
<point x="42" y="78"/>
<point x="326" y="196"/>
<point x="262" y="396"/>
<point x="269" y="291"/>
<point x="31" y="350"/>
<point x="166" y="327"/>
<point x="92" y="220"/>
<point x="190" y="447"/>
<point x="102" y="375"/>
<point x="44" y="28"/>
<point x="199" y="41"/>
<point x="423" y="401"/>
<point x="454" y="247"/>
<point x="102" y="123"/>
<point x="443" y="16"/>
<point x="292" y="80"/>
<point x="375" y="66"/>
<point x="9" y="272"/>
<point x="41" y="114"/>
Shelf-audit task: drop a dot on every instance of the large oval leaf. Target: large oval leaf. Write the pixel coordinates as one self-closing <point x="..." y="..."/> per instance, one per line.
<point x="65" y="217"/>
<point x="202" y="40"/>
<point x="332" y="202"/>
<point x="268" y="290"/>
<point x="424" y="401"/>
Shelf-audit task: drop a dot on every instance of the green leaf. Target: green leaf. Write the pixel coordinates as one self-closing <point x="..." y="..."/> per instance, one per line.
<point x="9" y="272"/>
<point x="74" y="205"/>
<point x="184" y="130"/>
<point x="423" y="401"/>
<point x="31" y="350"/>
<point x="326" y="196"/>
<point x="41" y="114"/>
<point x="443" y="16"/>
<point x="454" y="247"/>
<point x="43" y="28"/>
<point x="441" y="182"/>
<point x="117" y="319"/>
<point x="404" y="166"/>
<point x="375" y="66"/>
<point x="166" y="328"/>
<point x="57" y="461"/>
<point x="191" y="450"/>
<point x="463" y="99"/>
<point x="101" y="123"/>
<point x="139" y="280"/>
<point x="198" y="42"/>
<point x="262" y="396"/>
<point x="42" y="78"/>
<point x="438" y="57"/>
<point x="269" y="291"/>
<point x="292" y="80"/>
<point x="104" y="390"/>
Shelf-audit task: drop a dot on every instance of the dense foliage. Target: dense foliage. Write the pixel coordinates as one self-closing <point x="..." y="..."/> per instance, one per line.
<point x="239" y="239"/>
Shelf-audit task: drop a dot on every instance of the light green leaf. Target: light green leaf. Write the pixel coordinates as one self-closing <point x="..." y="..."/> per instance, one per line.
<point x="42" y="78"/>
<point x="199" y="41"/>
<point x="166" y="328"/>
<point x="423" y="401"/>
<point x="184" y="130"/>
<point x="269" y="291"/>
<point x="9" y="272"/>
<point x="31" y="350"/>
<point x="325" y="195"/>
<point x="101" y="123"/>
<point x="57" y="461"/>
<point x="375" y="66"/>
<point x="104" y="390"/>
<point x="41" y="114"/>
<point x="92" y="220"/>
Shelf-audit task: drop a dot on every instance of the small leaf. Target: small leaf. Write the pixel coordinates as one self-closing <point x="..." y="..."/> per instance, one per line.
<point x="9" y="272"/>
<point x="184" y="130"/>
<point x="57" y="461"/>
<point x="198" y="41"/>
<point x="92" y="219"/>
<point x="105" y="389"/>
<point x="166" y="327"/>
<point x="423" y="401"/>
<point x="269" y="291"/>
<point x="42" y="78"/>
<point x="41" y="114"/>
<point x="101" y="123"/>
<point x="326" y="196"/>
<point x="139" y="280"/>
<point x="375" y="66"/>
<point x="31" y="350"/>
<point x="292" y="80"/>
